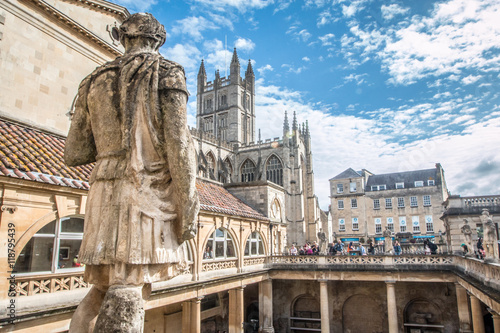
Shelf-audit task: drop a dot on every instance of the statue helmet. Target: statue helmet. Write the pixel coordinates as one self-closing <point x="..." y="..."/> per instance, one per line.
<point x="143" y="25"/>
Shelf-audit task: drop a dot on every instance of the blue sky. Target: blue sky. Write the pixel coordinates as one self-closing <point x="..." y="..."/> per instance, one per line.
<point x="385" y="85"/>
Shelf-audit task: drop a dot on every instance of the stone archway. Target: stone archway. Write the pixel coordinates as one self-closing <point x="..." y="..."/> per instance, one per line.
<point x="423" y="312"/>
<point x="361" y="313"/>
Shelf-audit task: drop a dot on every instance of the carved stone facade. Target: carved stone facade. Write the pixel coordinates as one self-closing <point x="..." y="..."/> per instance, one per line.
<point x="228" y="153"/>
<point x="408" y="203"/>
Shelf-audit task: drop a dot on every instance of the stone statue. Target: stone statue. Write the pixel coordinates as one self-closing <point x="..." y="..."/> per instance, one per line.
<point x="489" y="236"/>
<point x="130" y="118"/>
<point x="322" y="241"/>
<point x="467" y="232"/>
<point x="388" y="240"/>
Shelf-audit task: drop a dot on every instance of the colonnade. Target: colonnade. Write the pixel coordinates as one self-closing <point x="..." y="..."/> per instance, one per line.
<point x="465" y="315"/>
<point x="470" y="318"/>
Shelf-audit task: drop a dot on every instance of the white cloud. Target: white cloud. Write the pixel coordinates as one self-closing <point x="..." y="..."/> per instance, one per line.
<point x="389" y="12"/>
<point x="264" y="69"/>
<point x="359" y="78"/>
<point x="306" y="59"/>
<point x="471" y="79"/>
<point x="241" y="5"/>
<point x="137" y="5"/>
<point x="194" y="26"/>
<point x="326" y="39"/>
<point x="304" y="35"/>
<point x="244" y="44"/>
<point x="456" y="36"/>
<point x="185" y="54"/>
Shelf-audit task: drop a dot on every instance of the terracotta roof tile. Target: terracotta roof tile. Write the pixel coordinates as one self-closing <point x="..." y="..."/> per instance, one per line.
<point x="30" y="154"/>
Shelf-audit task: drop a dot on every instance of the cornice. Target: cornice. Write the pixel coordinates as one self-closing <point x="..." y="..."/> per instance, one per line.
<point x="104" y="6"/>
<point x="75" y="26"/>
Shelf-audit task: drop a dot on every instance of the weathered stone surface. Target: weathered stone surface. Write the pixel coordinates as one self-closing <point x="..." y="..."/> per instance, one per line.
<point x="122" y="311"/>
<point x="130" y="119"/>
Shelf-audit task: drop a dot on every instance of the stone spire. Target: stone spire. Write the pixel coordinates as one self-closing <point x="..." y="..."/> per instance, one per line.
<point x="234" y="69"/>
<point x="286" y="126"/>
<point x="294" y="122"/>
<point x="249" y="71"/>
<point x="202" y="71"/>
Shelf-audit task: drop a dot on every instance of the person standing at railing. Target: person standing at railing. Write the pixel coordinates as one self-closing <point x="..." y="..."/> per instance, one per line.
<point x="371" y="248"/>
<point x="293" y="250"/>
<point x="427" y="249"/>
<point x="480" y="248"/>
<point x="397" y="248"/>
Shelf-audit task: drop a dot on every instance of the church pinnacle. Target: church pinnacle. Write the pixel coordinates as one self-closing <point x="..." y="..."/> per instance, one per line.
<point x="202" y="69"/>
<point x="286" y="126"/>
<point x="294" y="122"/>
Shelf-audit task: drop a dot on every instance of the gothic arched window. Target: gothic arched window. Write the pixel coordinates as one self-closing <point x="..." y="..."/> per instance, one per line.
<point x="274" y="170"/>
<point x="248" y="171"/>
<point x="210" y="165"/>
<point x="228" y="172"/>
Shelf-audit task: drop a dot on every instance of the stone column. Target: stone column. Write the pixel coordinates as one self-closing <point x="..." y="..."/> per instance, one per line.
<point x="266" y="306"/>
<point x="191" y="316"/>
<point x="463" y="308"/>
<point x="477" y="315"/>
<point x="236" y="310"/>
<point x="392" y="310"/>
<point x="496" y="320"/>
<point x="325" y="312"/>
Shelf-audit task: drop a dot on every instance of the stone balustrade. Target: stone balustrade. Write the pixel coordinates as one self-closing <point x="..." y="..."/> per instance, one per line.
<point x="49" y="283"/>
<point x="488" y="274"/>
<point x="481" y="201"/>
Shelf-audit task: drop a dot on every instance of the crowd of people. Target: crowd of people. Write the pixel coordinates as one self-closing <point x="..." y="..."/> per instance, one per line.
<point x="480" y="253"/>
<point x="340" y="248"/>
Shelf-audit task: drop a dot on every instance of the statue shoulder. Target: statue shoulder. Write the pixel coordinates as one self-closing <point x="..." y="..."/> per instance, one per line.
<point x="172" y="76"/>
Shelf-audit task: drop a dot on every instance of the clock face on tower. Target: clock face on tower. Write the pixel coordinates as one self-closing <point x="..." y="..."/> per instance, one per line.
<point x="276" y="210"/>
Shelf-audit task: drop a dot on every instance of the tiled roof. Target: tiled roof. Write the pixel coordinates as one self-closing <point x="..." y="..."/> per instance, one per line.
<point x="406" y="177"/>
<point x="217" y="199"/>
<point x="349" y="173"/>
<point x="30" y="154"/>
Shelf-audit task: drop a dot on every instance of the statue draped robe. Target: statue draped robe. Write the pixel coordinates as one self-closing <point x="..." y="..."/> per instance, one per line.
<point x="129" y="234"/>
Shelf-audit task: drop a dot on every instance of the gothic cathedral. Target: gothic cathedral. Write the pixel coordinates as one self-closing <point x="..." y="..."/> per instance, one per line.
<point x="274" y="176"/>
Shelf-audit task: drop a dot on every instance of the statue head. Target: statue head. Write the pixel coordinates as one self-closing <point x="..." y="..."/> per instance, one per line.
<point x="143" y="25"/>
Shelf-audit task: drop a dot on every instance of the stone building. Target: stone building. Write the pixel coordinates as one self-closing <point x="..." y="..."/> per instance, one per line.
<point x="248" y="211"/>
<point x="275" y="175"/>
<point x="408" y="203"/>
<point x="458" y="208"/>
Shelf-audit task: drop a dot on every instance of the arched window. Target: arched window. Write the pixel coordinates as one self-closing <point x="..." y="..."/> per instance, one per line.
<point x="53" y="248"/>
<point x="210" y="165"/>
<point x="229" y="170"/>
<point x="220" y="245"/>
<point x="255" y="246"/>
<point x="274" y="170"/>
<point x="248" y="171"/>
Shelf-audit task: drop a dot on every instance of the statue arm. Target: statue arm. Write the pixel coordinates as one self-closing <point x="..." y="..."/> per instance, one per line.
<point x="80" y="145"/>
<point x="180" y="152"/>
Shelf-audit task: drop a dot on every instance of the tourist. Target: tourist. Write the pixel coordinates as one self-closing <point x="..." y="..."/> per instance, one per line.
<point x="293" y="250"/>
<point x="397" y="248"/>
<point x="480" y="248"/>
<point x="362" y="250"/>
<point x="208" y="254"/>
<point x="371" y="248"/>
<point x="427" y="249"/>
<point x="465" y="249"/>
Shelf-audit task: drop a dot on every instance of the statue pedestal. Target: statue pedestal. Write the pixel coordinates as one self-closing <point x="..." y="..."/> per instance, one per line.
<point x="122" y="310"/>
